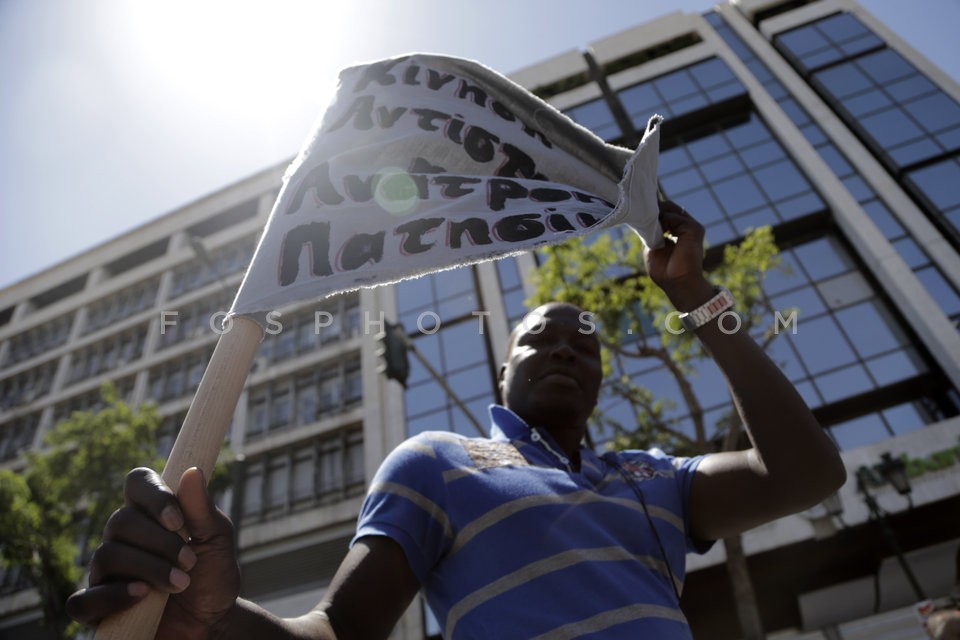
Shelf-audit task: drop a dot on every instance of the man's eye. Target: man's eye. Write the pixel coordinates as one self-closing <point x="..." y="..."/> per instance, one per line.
<point x="588" y="346"/>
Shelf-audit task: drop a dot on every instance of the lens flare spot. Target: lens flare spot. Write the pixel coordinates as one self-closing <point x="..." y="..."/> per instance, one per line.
<point x="396" y="192"/>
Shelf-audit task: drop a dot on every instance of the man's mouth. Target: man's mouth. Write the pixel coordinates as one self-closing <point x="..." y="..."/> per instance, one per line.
<point x="560" y="376"/>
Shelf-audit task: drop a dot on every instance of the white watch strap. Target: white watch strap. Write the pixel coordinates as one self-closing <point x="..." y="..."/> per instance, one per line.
<point x="721" y="302"/>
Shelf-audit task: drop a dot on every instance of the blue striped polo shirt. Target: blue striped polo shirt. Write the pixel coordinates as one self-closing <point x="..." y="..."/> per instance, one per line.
<point x="509" y="542"/>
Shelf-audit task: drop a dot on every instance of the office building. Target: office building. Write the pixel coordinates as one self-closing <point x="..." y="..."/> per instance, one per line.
<point x="812" y="117"/>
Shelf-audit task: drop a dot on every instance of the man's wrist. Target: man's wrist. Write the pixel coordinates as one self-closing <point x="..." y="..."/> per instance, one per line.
<point x="689" y="297"/>
<point x="721" y="302"/>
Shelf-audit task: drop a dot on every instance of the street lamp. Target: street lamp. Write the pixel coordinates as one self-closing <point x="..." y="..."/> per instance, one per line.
<point x="200" y="250"/>
<point x="894" y="471"/>
<point x="393" y="345"/>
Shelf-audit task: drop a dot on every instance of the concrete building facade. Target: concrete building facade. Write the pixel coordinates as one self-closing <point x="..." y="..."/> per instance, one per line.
<point x="812" y="117"/>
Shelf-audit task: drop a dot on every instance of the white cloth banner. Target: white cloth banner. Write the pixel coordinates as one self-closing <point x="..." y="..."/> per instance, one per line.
<point x="423" y="163"/>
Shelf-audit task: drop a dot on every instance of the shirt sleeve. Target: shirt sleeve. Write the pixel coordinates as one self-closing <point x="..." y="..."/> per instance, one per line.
<point x="407" y="503"/>
<point x="685" y="470"/>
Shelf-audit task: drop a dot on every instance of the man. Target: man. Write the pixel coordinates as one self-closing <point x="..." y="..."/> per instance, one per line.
<point x="944" y="623"/>
<point x="521" y="535"/>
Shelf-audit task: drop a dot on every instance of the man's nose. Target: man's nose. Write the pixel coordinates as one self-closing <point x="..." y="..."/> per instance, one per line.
<point x="563" y="350"/>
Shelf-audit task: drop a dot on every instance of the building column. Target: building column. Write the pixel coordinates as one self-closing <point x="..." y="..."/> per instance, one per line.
<point x="383" y="421"/>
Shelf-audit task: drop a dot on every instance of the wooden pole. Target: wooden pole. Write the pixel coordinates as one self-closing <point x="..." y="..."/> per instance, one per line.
<point x="198" y="444"/>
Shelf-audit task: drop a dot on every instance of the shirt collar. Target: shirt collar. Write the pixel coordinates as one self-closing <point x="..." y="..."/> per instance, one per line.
<point x="506" y="425"/>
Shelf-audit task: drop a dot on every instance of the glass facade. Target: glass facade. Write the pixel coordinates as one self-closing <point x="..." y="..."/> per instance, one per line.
<point x="682" y="92"/>
<point x="735" y="176"/>
<point x="672" y="95"/>
<point x="511" y="287"/>
<point x="929" y="274"/>
<point x="909" y="123"/>
<point x="850" y="350"/>
<point x="443" y="314"/>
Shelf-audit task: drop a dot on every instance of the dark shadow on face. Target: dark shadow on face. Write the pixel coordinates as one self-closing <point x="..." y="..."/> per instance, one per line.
<point x="552" y="374"/>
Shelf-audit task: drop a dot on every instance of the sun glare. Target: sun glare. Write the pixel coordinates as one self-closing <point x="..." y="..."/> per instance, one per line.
<point x="242" y="56"/>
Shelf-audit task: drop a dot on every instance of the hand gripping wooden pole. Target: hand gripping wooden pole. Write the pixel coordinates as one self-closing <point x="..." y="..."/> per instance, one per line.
<point x="197" y="445"/>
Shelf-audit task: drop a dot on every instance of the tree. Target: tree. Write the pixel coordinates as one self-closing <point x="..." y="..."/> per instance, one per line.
<point x="52" y="512"/>
<point x="637" y="321"/>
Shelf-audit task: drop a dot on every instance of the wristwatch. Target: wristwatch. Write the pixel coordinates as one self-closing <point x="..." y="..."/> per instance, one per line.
<point x="722" y="301"/>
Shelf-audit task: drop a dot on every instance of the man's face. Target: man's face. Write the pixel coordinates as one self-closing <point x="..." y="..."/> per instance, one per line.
<point x="552" y="374"/>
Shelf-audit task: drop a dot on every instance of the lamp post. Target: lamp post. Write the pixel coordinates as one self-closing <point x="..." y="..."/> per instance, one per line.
<point x="200" y="250"/>
<point x="894" y="471"/>
<point x="393" y="345"/>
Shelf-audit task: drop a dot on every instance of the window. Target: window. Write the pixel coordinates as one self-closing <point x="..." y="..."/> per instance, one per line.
<point x="681" y="92"/>
<point x="16" y="436"/>
<point x="167" y="433"/>
<point x="305" y="397"/>
<point x="307" y="329"/>
<point x="303" y="476"/>
<point x="330" y="385"/>
<point x="937" y="183"/>
<point x="253" y="490"/>
<point x="278" y="484"/>
<point x="280" y="406"/>
<point x="121" y="305"/>
<point x="108" y="354"/>
<point x="198" y="319"/>
<point x="178" y="377"/>
<point x="27" y="386"/>
<point x="595" y="115"/>
<point x="307" y="394"/>
<point x="91" y="400"/>
<point x="221" y="262"/>
<point x="352" y="383"/>
<point x="325" y="469"/>
<point x="827" y="41"/>
<point x="39" y="339"/>
<point x="734" y="176"/>
<point x="887" y="423"/>
<point x="511" y="287"/>
<point x="257" y="422"/>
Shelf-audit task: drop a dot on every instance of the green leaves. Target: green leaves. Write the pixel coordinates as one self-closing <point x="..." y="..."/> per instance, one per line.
<point x="51" y="512"/>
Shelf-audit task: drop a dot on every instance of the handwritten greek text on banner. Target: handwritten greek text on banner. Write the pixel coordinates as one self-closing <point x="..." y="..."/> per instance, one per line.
<point x="423" y="163"/>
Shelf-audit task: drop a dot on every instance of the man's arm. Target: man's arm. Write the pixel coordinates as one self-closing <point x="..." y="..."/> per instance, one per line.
<point x="792" y="464"/>
<point x="142" y="547"/>
<point x="370" y="591"/>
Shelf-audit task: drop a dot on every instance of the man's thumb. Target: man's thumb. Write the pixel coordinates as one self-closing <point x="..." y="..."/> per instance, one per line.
<point x="199" y="511"/>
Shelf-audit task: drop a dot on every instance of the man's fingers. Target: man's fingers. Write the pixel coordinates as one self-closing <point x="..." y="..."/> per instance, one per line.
<point x="90" y="606"/>
<point x="115" y="561"/>
<point x="677" y="221"/>
<point x="132" y="527"/>
<point x="145" y="490"/>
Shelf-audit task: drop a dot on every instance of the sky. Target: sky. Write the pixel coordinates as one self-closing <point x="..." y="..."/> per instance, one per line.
<point x="115" y="112"/>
